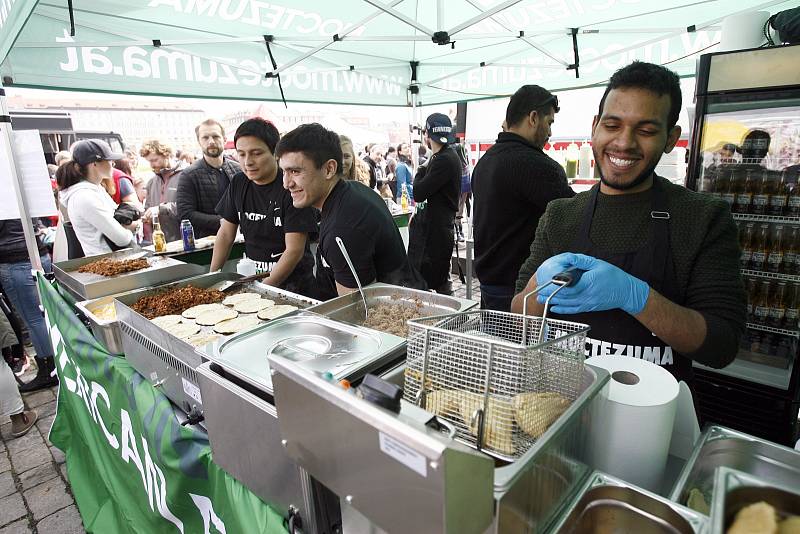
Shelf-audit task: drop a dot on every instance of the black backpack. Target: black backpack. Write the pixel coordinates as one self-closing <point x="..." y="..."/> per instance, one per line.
<point x="787" y="24"/>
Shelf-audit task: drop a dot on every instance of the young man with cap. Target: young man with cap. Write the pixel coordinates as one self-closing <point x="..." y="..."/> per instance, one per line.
<point x="512" y="185"/>
<point x="311" y="159"/>
<point x="661" y="262"/>
<point x="275" y="232"/>
<point x="437" y="187"/>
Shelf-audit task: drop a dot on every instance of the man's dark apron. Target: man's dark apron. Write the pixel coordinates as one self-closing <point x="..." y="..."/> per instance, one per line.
<point x="615" y="332"/>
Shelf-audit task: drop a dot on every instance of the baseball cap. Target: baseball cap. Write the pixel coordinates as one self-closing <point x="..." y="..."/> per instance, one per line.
<point x="93" y="150"/>
<point x="439" y="128"/>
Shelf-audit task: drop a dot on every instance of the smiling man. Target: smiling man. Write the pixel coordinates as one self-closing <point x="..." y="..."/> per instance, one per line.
<point x="662" y="276"/>
<point x="311" y="159"/>
<point x="275" y="232"/>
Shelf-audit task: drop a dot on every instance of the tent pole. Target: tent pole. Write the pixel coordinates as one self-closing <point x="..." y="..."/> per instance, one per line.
<point x="16" y="184"/>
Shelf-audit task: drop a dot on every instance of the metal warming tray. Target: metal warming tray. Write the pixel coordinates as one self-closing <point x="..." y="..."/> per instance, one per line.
<point x="341" y="440"/>
<point x="105" y="330"/>
<point x="720" y="446"/>
<point x="733" y="490"/>
<point x="237" y="380"/>
<point x="86" y="286"/>
<point x="350" y="309"/>
<point x="167" y="361"/>
<point x="607" y="504"/>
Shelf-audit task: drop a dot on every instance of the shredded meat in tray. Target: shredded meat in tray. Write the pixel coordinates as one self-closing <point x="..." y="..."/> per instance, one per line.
<point x="109" y="267"/>
<point x="175" y="301"/>
<point x="391" y="318"/>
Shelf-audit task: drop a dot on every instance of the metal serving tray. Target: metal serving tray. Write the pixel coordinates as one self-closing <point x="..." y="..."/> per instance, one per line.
<point x="720" y="446"/>
<point x="86" y="286"/>
<point x="167" y="361"/>
<point x="607" y="504"/>
<point x="350" y="309"/>
<point x="314" y="342"/>
<point x="733" y="490"/>
<point x="106" y="331"/>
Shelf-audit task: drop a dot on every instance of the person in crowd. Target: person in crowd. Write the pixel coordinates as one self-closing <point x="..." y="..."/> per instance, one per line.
<point x="311" y="159"/>
<point x="466" y="191"/>
<point x="186" y="157"/>
<point x="437" y="187"/>
<point x="661" y="262"/>
<point x="11" y="404"/>
<point x="162" y="190"/>
<point x="391" y="167"/>
<point x="276" y="233"/>
<point x="20" y="287"/>
<point x="14" y="354"/>
<point x="89" y="207"/>
<point x="727" y="153"/>
<point x="139" y="183"/>
<point x="205" y="181"/>
<point x="422" y="155"/>
<point x="353" y="168"/>
<point x="120" y="185"/>
<point x="62" y="157"/>
<point x="373" y="159"/>
<point x="513" y="183"/>
<point x="404" y="172"/>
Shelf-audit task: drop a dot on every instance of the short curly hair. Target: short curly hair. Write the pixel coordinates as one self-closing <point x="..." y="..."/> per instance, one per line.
<point x="154" y="146"/>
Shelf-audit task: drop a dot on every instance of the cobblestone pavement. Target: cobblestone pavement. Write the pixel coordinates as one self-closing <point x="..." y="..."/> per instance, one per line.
<point x="35" y="495"/>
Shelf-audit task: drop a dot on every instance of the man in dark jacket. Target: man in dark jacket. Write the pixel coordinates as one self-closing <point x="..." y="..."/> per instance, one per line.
<point x="512" y="184"/>
<point x="204" y="182"/>
<point x="437" y="187"/>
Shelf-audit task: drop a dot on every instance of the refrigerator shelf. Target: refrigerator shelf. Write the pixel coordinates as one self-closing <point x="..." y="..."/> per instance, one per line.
<point x="782" y="331"/>
<point x="771" y="276"/>
<point x="765" y="218"/>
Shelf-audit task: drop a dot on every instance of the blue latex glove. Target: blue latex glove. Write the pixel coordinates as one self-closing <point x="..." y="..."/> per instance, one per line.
<point x="602" y="287"/>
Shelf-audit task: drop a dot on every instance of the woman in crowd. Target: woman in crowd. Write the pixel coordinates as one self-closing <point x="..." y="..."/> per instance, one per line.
<point x="120" y="186"/>
<point x="404" y="172"/>
<point x="89" y="207"/>
<point x="352" y="167"/>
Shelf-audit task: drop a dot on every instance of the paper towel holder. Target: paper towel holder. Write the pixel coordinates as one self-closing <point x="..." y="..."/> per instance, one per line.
<point x="625" y="377"/>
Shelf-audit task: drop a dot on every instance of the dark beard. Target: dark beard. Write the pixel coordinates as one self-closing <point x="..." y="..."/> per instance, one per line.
<point x="624" y="187"/>
<point x="206" y="153"/>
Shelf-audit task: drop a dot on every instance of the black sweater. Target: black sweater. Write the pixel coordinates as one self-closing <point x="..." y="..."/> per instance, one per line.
<point x="12" y="242"/>
<point x="705" y="252"/>
<point x="512" y="185"/>
<point x="199" y="192"/>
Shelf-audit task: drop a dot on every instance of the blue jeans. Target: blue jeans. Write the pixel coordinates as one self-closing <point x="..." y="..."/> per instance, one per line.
<point x="496" y="298"/>
<point x="20" y="287"/>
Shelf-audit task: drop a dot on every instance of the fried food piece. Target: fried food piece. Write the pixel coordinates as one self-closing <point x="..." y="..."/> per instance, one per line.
<point x="758" y="518"/>
<point x="535" y="412"/>
<point x="790" y="525"/>
<point x="109" y="267"/>
<point x="697" y="502"/>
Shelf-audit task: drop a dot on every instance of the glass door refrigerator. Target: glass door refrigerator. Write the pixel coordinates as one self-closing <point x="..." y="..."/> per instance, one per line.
<point x="746" y="150"/>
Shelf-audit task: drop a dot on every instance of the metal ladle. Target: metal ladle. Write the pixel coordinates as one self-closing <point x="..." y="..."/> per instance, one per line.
<point x="355" y="275"/>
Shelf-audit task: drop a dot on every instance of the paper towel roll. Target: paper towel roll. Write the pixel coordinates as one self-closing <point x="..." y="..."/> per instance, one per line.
<point x="743" y="30"/>
<point x="631" y="427"/>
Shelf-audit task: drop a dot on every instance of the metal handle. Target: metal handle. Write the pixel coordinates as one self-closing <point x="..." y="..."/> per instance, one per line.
<point x="563" y="279"/>
<point x="355" y="274"/>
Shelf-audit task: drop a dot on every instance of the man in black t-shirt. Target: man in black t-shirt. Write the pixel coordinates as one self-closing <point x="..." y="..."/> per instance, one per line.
<point x="512" y="185"/>
<point x="275" y="232"/>
<point x="311" y="159"/>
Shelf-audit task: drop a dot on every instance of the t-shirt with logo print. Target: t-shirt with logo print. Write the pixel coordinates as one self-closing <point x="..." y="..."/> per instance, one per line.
<point x="265" y="215"/>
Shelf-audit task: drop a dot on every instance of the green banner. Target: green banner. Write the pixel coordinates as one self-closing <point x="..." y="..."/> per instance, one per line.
<point x="132" y="467"/>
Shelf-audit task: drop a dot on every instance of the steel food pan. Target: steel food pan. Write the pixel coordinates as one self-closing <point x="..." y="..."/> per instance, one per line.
<point x="350" y="309"/>
<point x="312" y="341"/>
<point x="168" y="361"/>
<point x="105" y="329"/>
<point x="720" y="446"/>
<point x="86" y="286"/>
<point x="607" y="504"/>
<point x="734" y="490"/>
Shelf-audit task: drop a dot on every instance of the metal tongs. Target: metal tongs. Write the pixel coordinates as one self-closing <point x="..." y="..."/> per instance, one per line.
<point x="563" y="279"/>
<point x="355" y="274"/>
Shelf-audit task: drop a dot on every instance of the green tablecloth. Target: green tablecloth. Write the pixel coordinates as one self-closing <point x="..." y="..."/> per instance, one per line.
<point x="132" y="467"/>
